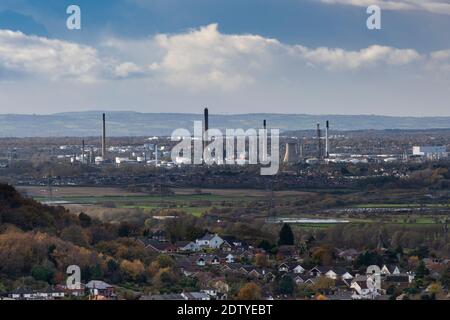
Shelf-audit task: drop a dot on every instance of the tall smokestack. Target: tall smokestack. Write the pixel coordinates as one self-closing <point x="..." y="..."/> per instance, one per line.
<point x="319" y="142"/>
<point x="205" y="137"/>
<point x="327" y="144"/>
<point x="206" y="119"/>
<point x="104" y="138"/>
<point x="82" y="153"/>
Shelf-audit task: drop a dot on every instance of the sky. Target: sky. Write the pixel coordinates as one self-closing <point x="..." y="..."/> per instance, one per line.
<point x="233" y="56"/>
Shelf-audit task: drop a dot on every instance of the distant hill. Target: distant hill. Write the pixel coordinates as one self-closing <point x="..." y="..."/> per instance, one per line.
<point x="143" y="124"/>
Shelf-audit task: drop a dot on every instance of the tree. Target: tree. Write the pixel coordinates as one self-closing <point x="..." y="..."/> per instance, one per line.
<point x="286" y="237"/>
<point x="286" y="285"/>
<point x="421" y="270"/>
<point x="323" y="255"/>
<point x="42" y="273"/>
<point x="250" y="291"/>
<point x="85" y="220"/>
<point x="434" y="289"/>
<point x="266" y="245"/>
<point x="260" y="260"/>
<point x="134" y="269"/>
<point x="324" y="284"/>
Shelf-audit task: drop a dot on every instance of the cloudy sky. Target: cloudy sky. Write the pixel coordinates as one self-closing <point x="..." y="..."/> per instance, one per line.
<point x="234" y="56"/>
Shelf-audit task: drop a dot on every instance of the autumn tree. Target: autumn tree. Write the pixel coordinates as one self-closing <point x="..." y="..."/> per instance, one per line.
<point x="323" y="284"/>
<point x="250" y="291"/>
<point x="134" y="269"/>
<point x="261" y="260"/>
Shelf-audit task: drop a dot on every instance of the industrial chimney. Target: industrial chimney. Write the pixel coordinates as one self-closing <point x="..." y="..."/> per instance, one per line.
<point x="104" y="138"/>
<point x="82" y="152"/>
<point x="327" y="144"/>
<point x="205" y="137"/>
<point x="319" y="142"/>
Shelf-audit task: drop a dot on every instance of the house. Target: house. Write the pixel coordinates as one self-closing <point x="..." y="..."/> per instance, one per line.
<point x="385" y="270"/>
<point x="363" y="288"/>
<point x="212" y="241"/>
<point x="201" y="261"/>
<point x="338" y="273"/>
<point x="291" y="267"/>
<point x="304" y="279"/>
<point x="231" y="243"/>
<point x="348" y="255"/>
<point x="284" y="267"/>
<point x="288" y="252"/>
<point x="159" y="235"/>
<point x="72" y="292"/>
<point x="229" y="258"/>
<point x="186" y="246"/>
<point x="297" y="269"/>
<point x="157" y="246"/>
<point x="199" y="296"/>
<point x="22" y="294"/>
<point x="100" y="288"/>
<point x="29" y="294"/>
<point x="319" y="271"/>
<point x="401" y="281"/>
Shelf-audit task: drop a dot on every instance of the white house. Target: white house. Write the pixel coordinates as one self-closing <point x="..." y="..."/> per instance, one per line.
<point x="364" y="288"/>
<point x="393" y="270"/>
<point x="298" y="269"/>
<point x="229" y="258"/>
<point x="212" y="241"/>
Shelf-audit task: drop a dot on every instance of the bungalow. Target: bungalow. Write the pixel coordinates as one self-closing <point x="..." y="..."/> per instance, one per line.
<point x="157" y="246"/>
<point x="187" y="246"/>
<point x="100" y="288"/>
<point x="199" y="296"/>
<point x="22" y="294"/>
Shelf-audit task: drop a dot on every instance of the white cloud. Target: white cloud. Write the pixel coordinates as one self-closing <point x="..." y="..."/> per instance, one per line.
<point x="434" y="6"/>
<point x="54" y="59"/>
<point x="199" y="59"/>
<point x="204" y="58"/>
<point x="339" y="59"/>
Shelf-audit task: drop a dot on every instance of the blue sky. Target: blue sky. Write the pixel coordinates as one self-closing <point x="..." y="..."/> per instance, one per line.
<point x="292" y="56"/>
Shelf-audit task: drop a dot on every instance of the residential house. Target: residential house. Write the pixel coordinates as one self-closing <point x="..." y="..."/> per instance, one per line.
<point x="385" y="270"/>
<point x="100" y="288"/>
<point x="212" y="241"/>
<point x="200" y="296"/>
<point x="363" y="288"/>
<point x="184" y="246"/>
<point x="157" y="246"/>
